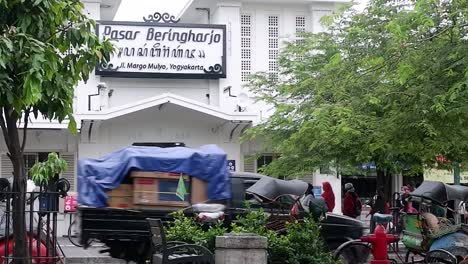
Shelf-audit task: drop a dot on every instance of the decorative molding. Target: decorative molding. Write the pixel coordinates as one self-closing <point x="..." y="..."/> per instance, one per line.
<point x="108" y="66"/>
<point x="215" y="69"/>
<point x="161" y="18"/>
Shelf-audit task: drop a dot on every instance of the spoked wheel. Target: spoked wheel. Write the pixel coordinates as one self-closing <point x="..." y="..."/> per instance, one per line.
<point x="441" y="256"/>
<point x="413" y="257"/>
<point x="459" y="252"/>
<point x="354" y="252"/>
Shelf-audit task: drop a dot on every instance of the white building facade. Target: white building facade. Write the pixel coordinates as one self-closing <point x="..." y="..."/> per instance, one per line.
<point x="115" y="111"/>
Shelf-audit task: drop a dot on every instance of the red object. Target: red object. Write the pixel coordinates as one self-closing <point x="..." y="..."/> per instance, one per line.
<point x="350" y="203"/>
<point x="380" y="241"/>
<point x="328" y="196"/>
<point x="37" y="258"/>
<point x="70" y="204"/>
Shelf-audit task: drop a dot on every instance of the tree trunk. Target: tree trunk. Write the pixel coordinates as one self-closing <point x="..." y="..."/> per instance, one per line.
<point x="19" y="221"/>
<point x="384" y="180"/>
<point x="12" y="139"/>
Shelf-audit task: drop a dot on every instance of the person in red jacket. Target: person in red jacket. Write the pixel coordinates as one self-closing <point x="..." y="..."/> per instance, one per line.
<point x="352" y="205"/>
<point x="328" y="196"/>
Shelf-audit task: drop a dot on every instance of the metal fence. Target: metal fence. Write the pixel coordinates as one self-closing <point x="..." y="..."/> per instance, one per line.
<point x="41" y="211"/>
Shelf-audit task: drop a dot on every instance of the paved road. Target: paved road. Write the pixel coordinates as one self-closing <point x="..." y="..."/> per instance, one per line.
<point x="75" y="255"/>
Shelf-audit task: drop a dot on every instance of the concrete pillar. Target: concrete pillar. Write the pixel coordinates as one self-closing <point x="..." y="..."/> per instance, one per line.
<point x="241" y="249"/>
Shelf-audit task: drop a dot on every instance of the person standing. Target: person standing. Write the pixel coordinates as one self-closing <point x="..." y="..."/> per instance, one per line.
<point x="352" y="205"/>
<point x="379" y="205"/>
<point x="328" y="196"/>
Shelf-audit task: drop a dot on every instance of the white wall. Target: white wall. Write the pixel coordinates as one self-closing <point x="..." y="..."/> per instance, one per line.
<point x="228" y="13"/>
<point x="170" y="124"/>
<point x="131" y="90"/>
<point x="45" y="140"/>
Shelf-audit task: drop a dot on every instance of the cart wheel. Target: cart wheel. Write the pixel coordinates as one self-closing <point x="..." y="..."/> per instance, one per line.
<point x="441" y="256"/>
<point x="354" y="252"/>
<point x="412" y="257"/>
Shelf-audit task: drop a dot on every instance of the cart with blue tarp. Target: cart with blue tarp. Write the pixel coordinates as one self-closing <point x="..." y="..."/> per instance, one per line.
<point x="126" y="229"/>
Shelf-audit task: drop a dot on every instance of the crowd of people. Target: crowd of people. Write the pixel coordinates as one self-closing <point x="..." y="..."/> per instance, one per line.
<point x="351" y="202"/>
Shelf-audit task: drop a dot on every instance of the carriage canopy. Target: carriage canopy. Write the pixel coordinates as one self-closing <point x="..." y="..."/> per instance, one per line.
<point x="270" y="188"/>
<point x="441" y="192"/>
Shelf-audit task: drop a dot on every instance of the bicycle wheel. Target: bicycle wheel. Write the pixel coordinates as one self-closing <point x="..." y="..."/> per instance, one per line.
<point x="74" y="239"/>
<point x="441" y="256"/>
<point x="354" y="252"/>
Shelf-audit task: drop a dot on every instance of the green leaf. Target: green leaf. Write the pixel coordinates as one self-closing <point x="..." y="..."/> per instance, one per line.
<point x="72" y="125"/>
<point x="405" y="71"/>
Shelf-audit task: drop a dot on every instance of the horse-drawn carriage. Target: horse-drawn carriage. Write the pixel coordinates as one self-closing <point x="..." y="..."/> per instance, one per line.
<point x="436" y="233"/>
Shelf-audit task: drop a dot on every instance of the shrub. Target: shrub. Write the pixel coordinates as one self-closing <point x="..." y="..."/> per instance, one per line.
<point x="301" y="244"/>
<point x="187" y="229"/>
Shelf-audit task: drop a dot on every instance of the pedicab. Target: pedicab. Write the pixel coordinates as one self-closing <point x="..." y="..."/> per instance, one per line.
<point x="435" y="234"/>
<point x="280" y="196"/>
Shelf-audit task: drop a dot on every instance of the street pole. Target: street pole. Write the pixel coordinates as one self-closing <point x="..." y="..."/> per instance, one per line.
<point x="456" y="173"/>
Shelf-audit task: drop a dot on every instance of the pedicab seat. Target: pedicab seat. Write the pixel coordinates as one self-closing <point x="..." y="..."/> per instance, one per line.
<point x="382" y="218"/>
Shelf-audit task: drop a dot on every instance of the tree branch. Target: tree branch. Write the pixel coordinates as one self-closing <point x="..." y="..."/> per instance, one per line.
<point x="25" y="128"/>
<point x="4" y="129"/>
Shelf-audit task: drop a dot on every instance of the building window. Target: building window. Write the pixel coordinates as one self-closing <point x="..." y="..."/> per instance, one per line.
<point x="31" y="158"/>
<point x="273" y="46"/>
<point x="264" y="160"/>
<point x="246" y="47"/>
<point x="300" y="28"/>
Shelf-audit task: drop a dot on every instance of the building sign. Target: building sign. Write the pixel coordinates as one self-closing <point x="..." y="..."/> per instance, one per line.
<point x="70" y="204"/>
<point x="160" y="50"/>
<point x="317" y="190"/>
<point x="231" y="165"/>
<point x="445" y="176"/>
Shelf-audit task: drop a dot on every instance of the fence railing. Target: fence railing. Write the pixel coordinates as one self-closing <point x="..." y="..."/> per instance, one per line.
<point x="41" y="212"/>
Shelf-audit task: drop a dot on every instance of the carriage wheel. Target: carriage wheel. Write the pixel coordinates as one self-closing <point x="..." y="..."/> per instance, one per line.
<point x="414" y="257"/>
<point x="441" y="256"/>
<point x="354" y="252"/>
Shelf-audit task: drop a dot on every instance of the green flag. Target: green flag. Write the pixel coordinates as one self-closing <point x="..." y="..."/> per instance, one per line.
<point x="181" y="190"/>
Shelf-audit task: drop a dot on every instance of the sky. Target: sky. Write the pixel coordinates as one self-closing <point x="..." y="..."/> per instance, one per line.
<point x="135" y="10"/>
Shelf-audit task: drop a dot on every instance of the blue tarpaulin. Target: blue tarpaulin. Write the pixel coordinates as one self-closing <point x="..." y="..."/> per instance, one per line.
<point x="458" y="239"/>
<point x="207" y="163"/>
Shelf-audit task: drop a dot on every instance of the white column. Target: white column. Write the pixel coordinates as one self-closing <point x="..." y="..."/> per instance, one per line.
<point x="397" y="183"/>
<point x="228" y="13"/>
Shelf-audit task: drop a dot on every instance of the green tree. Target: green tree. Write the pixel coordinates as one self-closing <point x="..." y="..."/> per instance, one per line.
<point x="46" y="48"/>
<point x="387" y="85"/>
<point x="43" y="172"/>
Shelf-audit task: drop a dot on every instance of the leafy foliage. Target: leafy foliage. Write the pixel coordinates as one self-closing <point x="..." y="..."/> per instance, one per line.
<point x="42" y="172"/>
<point x="188" y="230"/>
<point x="387" y="85"/>
<point x="46" y="48"/>
<point x="301" y="244"/>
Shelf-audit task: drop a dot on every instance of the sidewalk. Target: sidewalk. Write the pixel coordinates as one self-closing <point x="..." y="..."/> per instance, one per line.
<point x="75" y="255"/>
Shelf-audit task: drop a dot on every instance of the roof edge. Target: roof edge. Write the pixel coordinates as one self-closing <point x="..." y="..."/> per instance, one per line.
<point x="114" y="112"/>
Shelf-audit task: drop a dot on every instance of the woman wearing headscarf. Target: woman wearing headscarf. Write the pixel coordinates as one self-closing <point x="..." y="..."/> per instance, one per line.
<point x="328" y="196"/>
<point x="351" y="204"/>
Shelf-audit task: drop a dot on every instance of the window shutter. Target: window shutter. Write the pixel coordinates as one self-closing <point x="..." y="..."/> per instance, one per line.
<point x="69" y="174"/>
<point x="249" y="164"/>
<point x="7" y="167"/>
<point x="273" y="46"/>
<point x="246" y="47"/>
